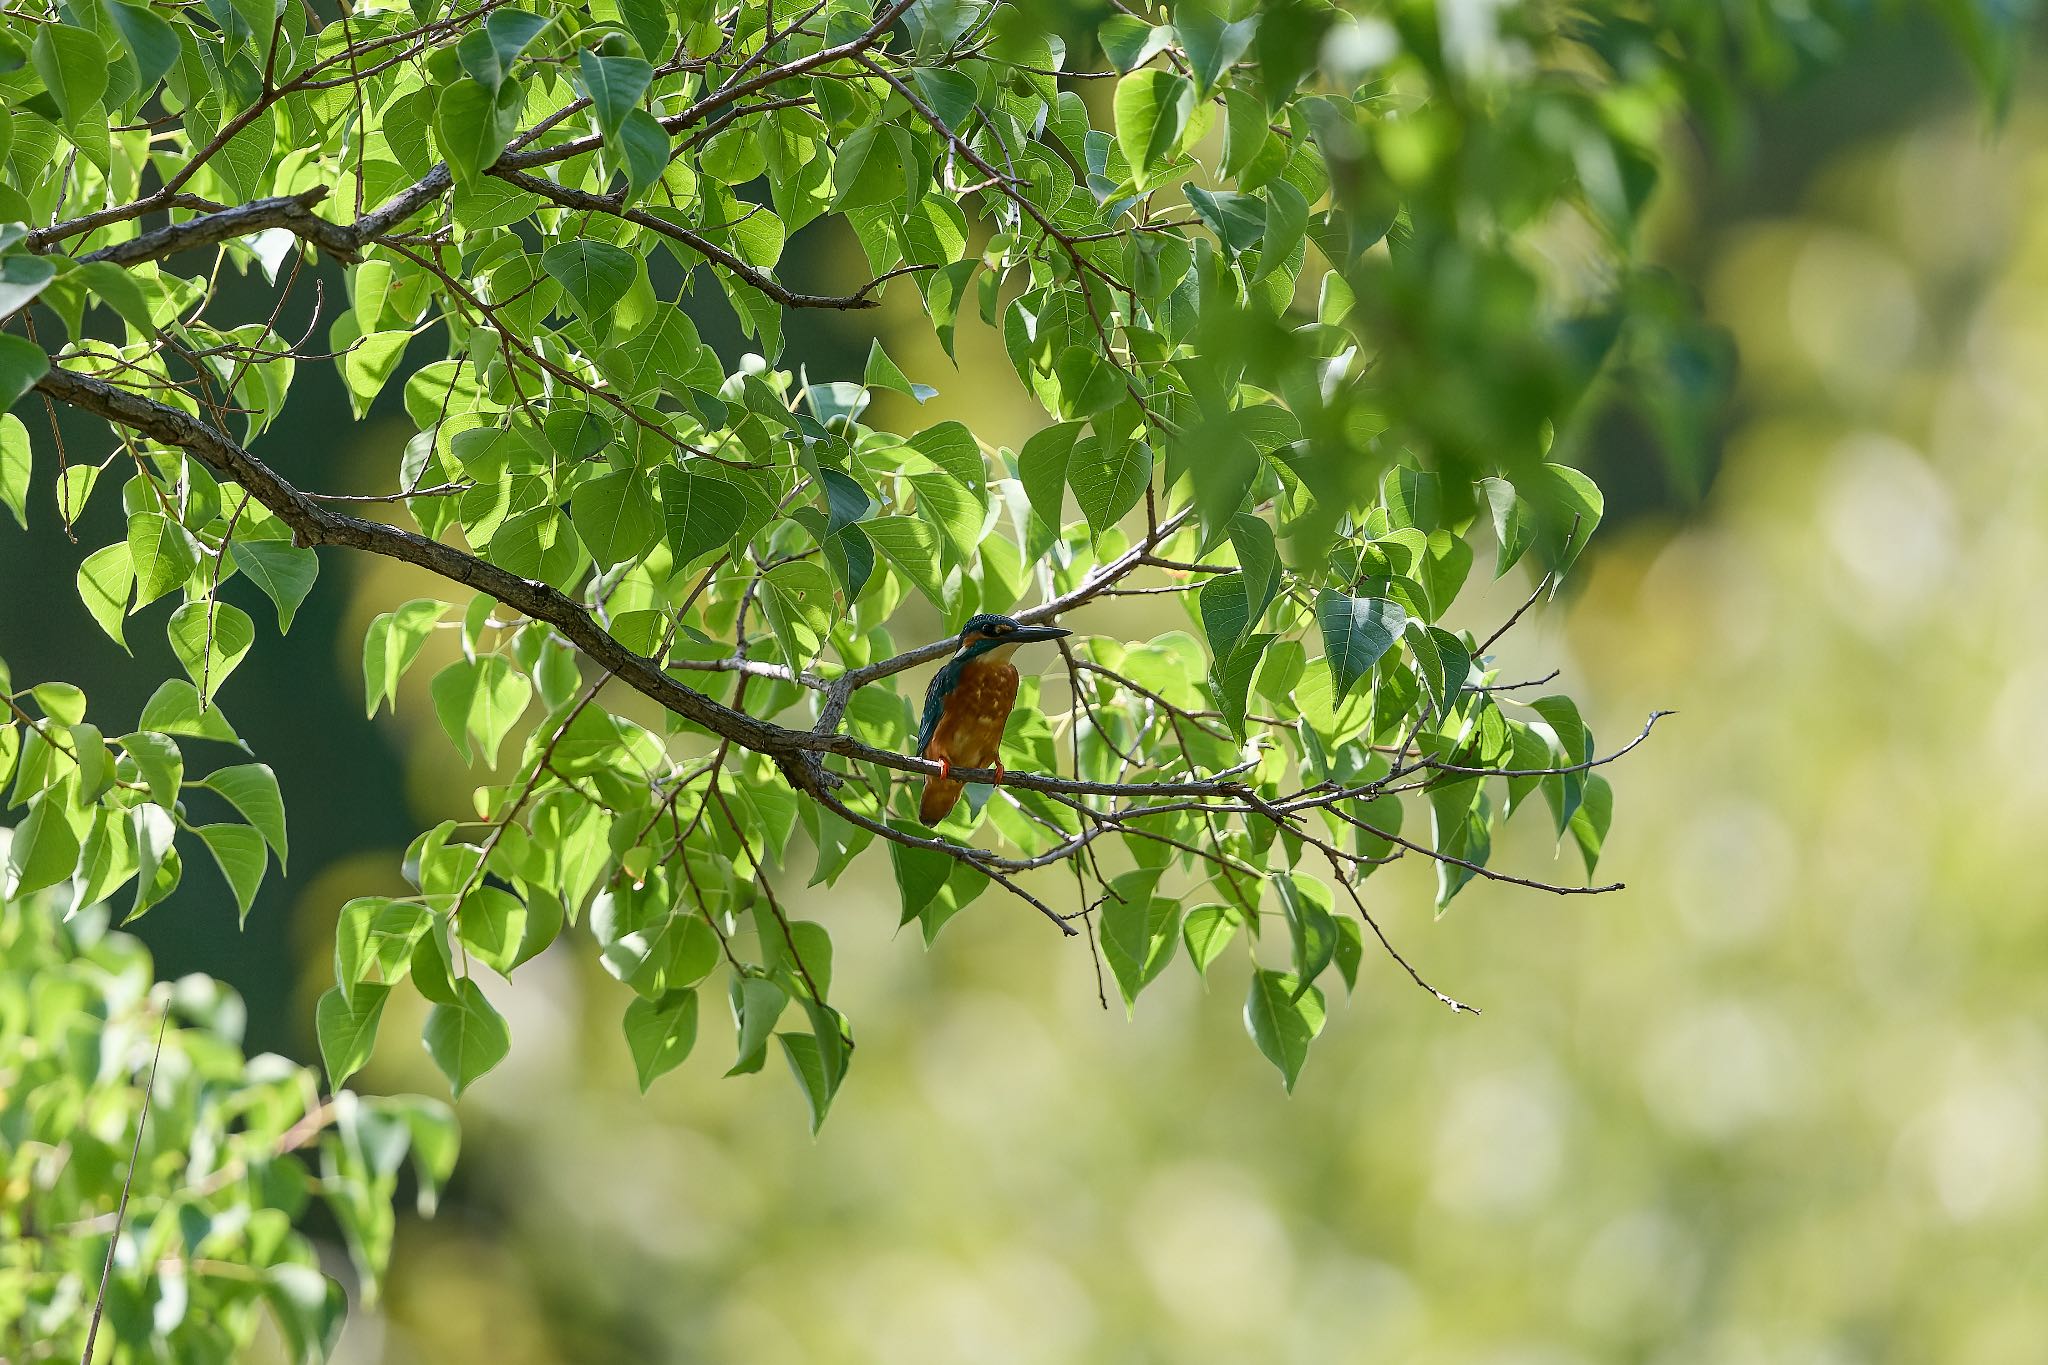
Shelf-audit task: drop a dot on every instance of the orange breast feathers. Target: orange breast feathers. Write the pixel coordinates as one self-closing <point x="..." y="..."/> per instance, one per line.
<point x="970" y="731"/>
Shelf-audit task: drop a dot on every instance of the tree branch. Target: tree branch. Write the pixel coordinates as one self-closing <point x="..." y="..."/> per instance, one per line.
<point x="703" y="246"/>
<point x="292" y="212"/>
<point x="313" y="524"/>
<point x="797" y="753"/>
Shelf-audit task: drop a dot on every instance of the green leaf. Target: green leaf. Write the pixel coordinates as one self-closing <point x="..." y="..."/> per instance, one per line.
<point x="1514" y="523"/>
<point x="1442" y="661"/>
<point x="616" y="516"/>
<point x="480" y="699"/>
<point x="210" y="638"/>
<point x="394" y="640"/>
<point x="868" y="169"/>
<point x="22" y="363"/>
<point x="1283" y="1014"/>
<point x="431" y="953"/>
<point x="16" y="465"/>
<point x="1109" y="484"/>
<point x="1238" y="220"/>
<point x="951" y="94"/>
<point x="375" y="931"/>
<point x="544" y="919"/>
<point x="467" y="1037"/>
<point x="239" y="852"/>
<point x="158" y="868"/>
<point x="347" y="1026"/>
<point x="956" y="513"/>
<point x="1560" y="723"/>
<point x="251" y="788"/>
<point x="1129" y="42"/>
<point x="883" y="373"/>
<point x="61" y="702"/>
<point x="912" y="548"/>
<point x="1286" y="226"/>
<point x="1042" y="469"/>
<point x="1139" y="934"/>
<point x="174" y="710"/>
<point x="699" y="512"/>
<point x="1231" y="678"/>
<point x="436" y="1140"/>
<point x="846" y="501"/>
<point x="921" y="873"/>
<point x="757" y="1003"/>
<point x="1350" y="952"/>
<point x="163" y="553"/>
<point x="806" y="964"/>
<point x="479" y="58"/>
<point x="511" y="32"/>
<point x="798" y="599"/>
<point x="472" y="124"/>
<point x="945" y="292"/>
<point x="90" y="746"/>
<point x="282" y="570"/>
<point x="306" y="1305"/>
<point x="21" y="279"/>
<point x="615" y="85"/>
<point x="74" y="69"/>
<point x="1225" y="614"/>
<point x="1247" y="130"/>
<point x="368" y="364"/>
<point x="818" y="1066"/>
<point x="1443" y="568"/>
<point x="1356" y="632"/>
<point x="1213" y="46"/>
<point x="1152" y="111"/>
<point x="1313" y="929"/>
<point x="1460" y="830"/>
<point x="45" y="846"/>
<point x="152" y="42"/>
<point x="1572" y="506"/>
<point x="116" y="288"/>
<point x="647" y="20"/>
<point x="159" y="761"/>
<point x="492" y="925"/>
<point x="1207" y="931"/>
<point x="105" y="580"/>
<point x="660" y="1033"/>
<point x="1590" y="822"/>
<point x="643" y="149"/>
<point x="1252" y="538"/>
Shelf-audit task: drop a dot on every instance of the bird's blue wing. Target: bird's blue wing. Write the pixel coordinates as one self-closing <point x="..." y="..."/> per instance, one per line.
<point x="942" y="685"/>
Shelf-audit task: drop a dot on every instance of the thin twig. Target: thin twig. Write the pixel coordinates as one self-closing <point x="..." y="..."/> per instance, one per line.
<point x="99" y="1304"/>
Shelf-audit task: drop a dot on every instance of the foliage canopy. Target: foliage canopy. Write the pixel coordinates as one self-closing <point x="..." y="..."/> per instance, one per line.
<point x="1318" y="300"/>
<point x="233" y="1151"/>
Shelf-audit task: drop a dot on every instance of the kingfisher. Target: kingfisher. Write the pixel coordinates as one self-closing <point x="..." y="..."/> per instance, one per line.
<point x="968" y="704"/>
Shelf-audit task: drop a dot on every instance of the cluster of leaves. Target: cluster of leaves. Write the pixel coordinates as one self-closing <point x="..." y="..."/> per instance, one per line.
<point x="100" y="812"/>
<point x="1286" y="278"/>
<point x="177" y="1169"/>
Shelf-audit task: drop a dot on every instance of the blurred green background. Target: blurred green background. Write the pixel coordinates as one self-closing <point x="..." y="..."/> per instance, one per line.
<point x="1784" y="1100"/>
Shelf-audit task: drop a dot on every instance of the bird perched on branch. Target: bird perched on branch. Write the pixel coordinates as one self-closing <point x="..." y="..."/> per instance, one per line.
<point x="967" y="705"/>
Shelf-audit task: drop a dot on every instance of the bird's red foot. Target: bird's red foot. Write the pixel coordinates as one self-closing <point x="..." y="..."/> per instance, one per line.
<point x="1000" y="774"/>
<point x="945" y="770"/>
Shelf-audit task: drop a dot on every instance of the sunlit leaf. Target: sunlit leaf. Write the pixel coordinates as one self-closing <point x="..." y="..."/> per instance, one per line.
<point x="466" y="1037"/>
<point x="1284" y="1015"/>
<point x="347" y="1027"/>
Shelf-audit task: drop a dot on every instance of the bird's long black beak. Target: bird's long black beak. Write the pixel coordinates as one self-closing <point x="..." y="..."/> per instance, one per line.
<point x="1025" y="635"/>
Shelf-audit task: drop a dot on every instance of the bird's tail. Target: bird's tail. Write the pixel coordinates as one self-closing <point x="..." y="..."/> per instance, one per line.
<point x="941" y="794"/>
